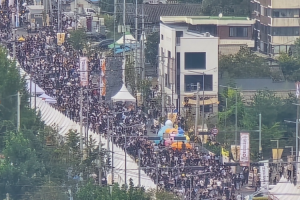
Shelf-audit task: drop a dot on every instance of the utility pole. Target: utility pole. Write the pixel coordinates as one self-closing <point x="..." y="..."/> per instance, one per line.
<point x="203" y="98"/>
<point x="115" y="18"/>
<point x="197" y="111"/>
<point x="139" y="154"/>
<point x="18" y="112"/>
<point x="136" y="42"/>
<point x="163" y="86"/>
<point x="75" y="14"/>
<point x="81" y="142"/>
<point x="125" y="159"/>
<point x="100" y="158"/>
<point x="108" y="133"/>
<point x="259" y="129"/>
<point x="297" y="143"/>
<point x="143" y="43"/>
<point x="58" y="16"/>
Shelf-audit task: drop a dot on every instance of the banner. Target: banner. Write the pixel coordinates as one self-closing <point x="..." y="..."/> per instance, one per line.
<point x="245" y="149"/>
<point x="60" y="38"/>
<point x="84" y="74"/>
<point x="277" y="154"/>
<point x="225" y="152"/>
<point x="264" y="175"/>
<point x="235" y="151"/>
<point x="102" y="77"/>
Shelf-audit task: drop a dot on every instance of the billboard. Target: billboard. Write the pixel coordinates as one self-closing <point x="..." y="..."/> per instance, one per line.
<point x="102" y="77"/>
<point x="245" y="149"/>
<point x="83" y="68"/>
<point x="264" y="175"/>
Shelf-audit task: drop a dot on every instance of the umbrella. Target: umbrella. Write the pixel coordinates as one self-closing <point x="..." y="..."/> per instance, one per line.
<point x="178" y="145"/>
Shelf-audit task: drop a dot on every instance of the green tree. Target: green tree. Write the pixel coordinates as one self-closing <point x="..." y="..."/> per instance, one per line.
<point x="78" y="39"/>
<point x="48" y="191"/>
<point x="227" y="8"/>
<point x="244" y="64"/>
<point x="21" y="168"/>
<point x="290" y="62"/>
<point x="151" y="50"/>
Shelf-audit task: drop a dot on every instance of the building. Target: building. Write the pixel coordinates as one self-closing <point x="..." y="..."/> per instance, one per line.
<point x="185" y="59"/>
<point x="233" y="32"/>
<point x="249" y="87"/>
<point x="277" y="24"/>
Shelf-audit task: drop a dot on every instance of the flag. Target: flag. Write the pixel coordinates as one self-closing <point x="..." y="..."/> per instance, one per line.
<point x="297" y="89"/>
<point x="225" y="152"/>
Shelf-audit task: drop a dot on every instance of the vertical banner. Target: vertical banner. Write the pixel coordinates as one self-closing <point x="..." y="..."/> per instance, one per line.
<point x="264" y="175"/>
<point x="245" y="149"/>
<point x="297" y="89"/>
<point x="102" y="77"/>
<point x="83" y="68"/>
<point x="235" y="151"/>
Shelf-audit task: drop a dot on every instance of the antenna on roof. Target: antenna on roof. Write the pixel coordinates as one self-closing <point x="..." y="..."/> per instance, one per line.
<point x="220" y="15"/>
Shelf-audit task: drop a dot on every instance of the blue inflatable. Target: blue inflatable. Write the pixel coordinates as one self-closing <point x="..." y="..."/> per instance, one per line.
<point x="168" y="124"/>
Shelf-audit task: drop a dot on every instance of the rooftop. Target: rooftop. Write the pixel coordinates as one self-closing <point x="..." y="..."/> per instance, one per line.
<point x="254" y="84"/>
<point x="153" y="12"/>
<point x="194" y="20"/>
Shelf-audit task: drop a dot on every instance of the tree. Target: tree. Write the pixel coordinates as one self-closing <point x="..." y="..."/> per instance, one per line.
<point x="78" y="39"/>
<point x="227" y="8"/>
<point x="151" y="51"/>
<point x="244" y="64"/>
<point x="290" y="62"/>
<point x="21" y="167"/>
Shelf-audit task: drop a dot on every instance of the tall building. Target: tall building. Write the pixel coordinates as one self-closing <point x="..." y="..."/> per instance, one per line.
<point x="187" y="58"/>
<point x="277" y="24"/>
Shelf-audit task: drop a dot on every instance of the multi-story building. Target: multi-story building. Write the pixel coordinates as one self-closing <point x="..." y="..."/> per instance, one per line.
<point x="233" y="32"/>
<point x="277" y="24"/>
<point x="189" y="48"/>
<point x="187" y="58"/>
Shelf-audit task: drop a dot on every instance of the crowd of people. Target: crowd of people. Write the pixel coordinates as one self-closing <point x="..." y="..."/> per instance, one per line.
<point x="187" y="172"/>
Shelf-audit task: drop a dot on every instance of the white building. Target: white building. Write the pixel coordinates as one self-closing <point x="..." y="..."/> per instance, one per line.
<point x="184" y="58"/>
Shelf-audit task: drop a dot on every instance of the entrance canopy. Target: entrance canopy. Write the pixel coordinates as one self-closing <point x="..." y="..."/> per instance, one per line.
<point x="123" y="95"/>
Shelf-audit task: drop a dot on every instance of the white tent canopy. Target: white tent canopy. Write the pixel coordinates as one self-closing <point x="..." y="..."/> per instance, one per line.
<point x="34" y="88"/>
<point x="123" y="95"/>
<point x="284" y="190"/>
<point x="128" y="39"/>
<point x="44" y="96"/>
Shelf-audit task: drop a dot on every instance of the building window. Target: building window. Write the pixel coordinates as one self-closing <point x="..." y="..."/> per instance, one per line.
<point x="285" y="31"/>
<point x="161" y="36"/>
<point x="190" y="82"/>
<point x="195" y="60"/>
<point x="238" y="31"/>
<point x="285" y="13"/>
<point x="179" y="34"/>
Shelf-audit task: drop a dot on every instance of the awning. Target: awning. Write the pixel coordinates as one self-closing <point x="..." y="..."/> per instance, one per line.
<point x="206" y="102"/>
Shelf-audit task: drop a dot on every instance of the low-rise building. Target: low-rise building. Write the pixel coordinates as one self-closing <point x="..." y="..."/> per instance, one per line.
<point x="233" y="32"/>
<point x="185" y="59"/>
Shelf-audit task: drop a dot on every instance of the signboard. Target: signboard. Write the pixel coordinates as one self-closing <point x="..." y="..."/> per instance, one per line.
<point x="244" y="149"/>
<point x="235" y="151"/>
<point x="264" y="175"/>
<point x="84" y="74"/>
<point x="102" y="77"/>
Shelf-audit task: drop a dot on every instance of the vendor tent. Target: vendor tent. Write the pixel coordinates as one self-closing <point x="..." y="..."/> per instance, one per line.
<point x="128" y="39"/>
<point x="123" y="95"/>
<point x="34" y="88"/>
<point x="44" y="96"/>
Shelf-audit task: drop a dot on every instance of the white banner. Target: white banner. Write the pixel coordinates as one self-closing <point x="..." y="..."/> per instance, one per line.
<point x="245" y="150"/>
<point x="264" y="175"/>
<point x="84" y="74"/>
<point x="102" y="77"/>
